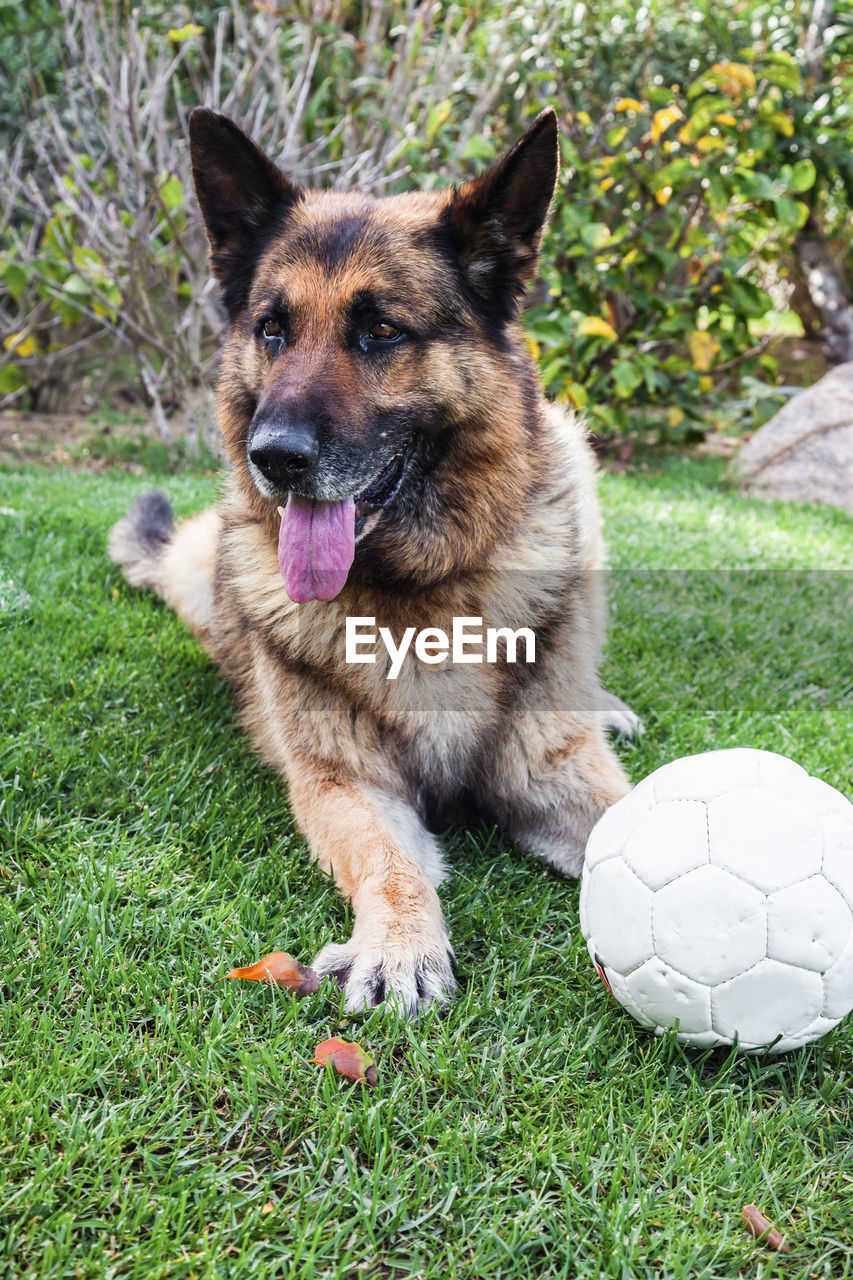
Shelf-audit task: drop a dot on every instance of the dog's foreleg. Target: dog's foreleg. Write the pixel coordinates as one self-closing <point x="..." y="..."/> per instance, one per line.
<point x="386" y="864"/>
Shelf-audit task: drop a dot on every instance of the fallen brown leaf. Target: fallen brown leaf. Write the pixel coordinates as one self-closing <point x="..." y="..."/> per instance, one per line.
<point x="762" y="1228"/>
<point x="281" y="970"/>
<point x="348" y="1059"/>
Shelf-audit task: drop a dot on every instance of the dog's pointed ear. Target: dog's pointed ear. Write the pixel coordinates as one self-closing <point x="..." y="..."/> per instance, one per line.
<point x="498" y="219"/>
<point x="240" y="193"/>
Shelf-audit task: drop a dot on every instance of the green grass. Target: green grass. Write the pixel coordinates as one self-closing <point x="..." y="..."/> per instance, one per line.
<point x="149" y="1116"/>
<point x="107" y="444"/>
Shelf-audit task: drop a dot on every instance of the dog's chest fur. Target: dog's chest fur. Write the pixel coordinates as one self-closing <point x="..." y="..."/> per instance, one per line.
<point x="444" y="726"/>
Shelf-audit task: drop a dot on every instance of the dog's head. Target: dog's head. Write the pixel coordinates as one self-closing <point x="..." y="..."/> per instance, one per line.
<point x="365" y="333"/>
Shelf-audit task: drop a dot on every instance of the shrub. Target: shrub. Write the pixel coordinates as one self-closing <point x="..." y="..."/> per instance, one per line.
<point x="675" y="204"/>
<point x="696" y="153"/>
<point x="104" y="274"/>
<point x="699" y="141"/>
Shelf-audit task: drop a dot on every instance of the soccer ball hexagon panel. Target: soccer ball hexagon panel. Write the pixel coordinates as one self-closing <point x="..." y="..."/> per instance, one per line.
<point x="717" y="898"/>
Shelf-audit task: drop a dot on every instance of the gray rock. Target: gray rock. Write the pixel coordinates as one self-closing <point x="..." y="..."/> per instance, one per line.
<point x="805" y="452"/>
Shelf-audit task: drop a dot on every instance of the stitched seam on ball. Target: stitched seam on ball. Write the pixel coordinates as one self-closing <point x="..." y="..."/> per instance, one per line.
<point x="823" y="871"/>
<point x="716" y="986"/>
<point x="829" y="880"/>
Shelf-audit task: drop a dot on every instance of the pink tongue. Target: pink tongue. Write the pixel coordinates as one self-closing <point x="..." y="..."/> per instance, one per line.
<point x="316" y="545"/>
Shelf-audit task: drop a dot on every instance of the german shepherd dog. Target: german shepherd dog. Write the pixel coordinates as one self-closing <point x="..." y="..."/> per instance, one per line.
<point x="392" y="459"/>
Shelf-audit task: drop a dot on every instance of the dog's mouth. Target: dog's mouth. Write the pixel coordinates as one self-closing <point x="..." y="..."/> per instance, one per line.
<point x="316" y="540"/>
<point x="381" y="492"/>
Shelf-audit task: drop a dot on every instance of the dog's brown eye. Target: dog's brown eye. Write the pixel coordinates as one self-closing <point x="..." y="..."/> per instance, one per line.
<point x="384" y="332"/>
<point x="272" y="329"/>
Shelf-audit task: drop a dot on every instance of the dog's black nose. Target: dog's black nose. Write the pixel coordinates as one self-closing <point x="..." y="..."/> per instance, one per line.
<point x="284" y="452"/>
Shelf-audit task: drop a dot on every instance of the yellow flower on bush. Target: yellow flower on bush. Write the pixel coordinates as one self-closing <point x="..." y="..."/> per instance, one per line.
<point x="598" y="327"/>
<point x="702" y="348"/>
<point x="180" y="34"/>
<point x="736" y="78"/>
<point x="664" y="119"/>
<point x="23" y="344"/>
<point x="781" y="123"/>
<point x="628" y="104"/>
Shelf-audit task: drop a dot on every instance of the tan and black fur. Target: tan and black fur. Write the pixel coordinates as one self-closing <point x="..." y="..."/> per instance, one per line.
<point x="380" y="335"/>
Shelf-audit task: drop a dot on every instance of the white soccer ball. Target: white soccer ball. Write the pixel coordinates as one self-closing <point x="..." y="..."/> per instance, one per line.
<point x="718" y="896"/>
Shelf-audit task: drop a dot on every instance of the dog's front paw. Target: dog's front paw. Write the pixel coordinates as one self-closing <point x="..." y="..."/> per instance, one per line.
<point x="403" y="974"/>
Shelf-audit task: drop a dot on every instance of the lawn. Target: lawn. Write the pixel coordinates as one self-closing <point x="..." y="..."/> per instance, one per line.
<point x="156" y="1123"/>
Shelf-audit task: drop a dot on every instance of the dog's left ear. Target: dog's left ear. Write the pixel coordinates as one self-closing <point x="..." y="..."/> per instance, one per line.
<point x="497" y="220"/>
<point x="240" y="193"/>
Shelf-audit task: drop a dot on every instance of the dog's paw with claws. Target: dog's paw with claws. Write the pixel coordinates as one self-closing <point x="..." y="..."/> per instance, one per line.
<point x="403" y="975"/>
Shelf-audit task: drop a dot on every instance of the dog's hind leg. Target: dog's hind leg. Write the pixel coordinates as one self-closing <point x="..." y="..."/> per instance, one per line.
<point x="618" y="718"/>
<point x="386" y="863"/>
<point x="567" y="790"/>
<point x="176" y="562"/>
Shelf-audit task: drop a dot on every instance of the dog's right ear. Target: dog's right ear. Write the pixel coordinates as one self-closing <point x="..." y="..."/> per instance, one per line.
<point x="496" y="221"/>
<point x="240" y="193"/>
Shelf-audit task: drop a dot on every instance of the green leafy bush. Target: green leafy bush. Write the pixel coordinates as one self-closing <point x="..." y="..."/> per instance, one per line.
<point x="703" y="142"/>
<point x="673" y="208"/>
<point x="103" y="263"/>
<point x="700" y="142"/>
